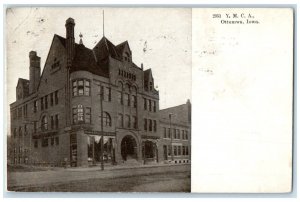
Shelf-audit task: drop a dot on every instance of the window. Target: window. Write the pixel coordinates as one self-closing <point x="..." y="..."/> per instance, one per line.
<point x="25" y="130"/>
<point x="179" y="150"/>
<point x="25" y="110"/>
<point x="51" y="99"/>
<point x="165" y="132"/>
<point x="154" y="125"/>
<point x="46" y="102"/>
<point x="134" y="122"/>
<point x="56" y="97"/>
<point x="45" y="142"/>
<point x="15" y="132"/>
<point x="154" y="106"/>
<point x="145" y="104"/>
<point x="106" y="119"/>
<point x="127" y="99"/>
<point x="187" y="150"/>
<point x="107" y="94"/>
<point x="119" y="97"/>
<point x="20" y="112"/>
<point x="42" y="103"/>
<point x="150" y="125"/>
<point x="169" y="150"/>
<point x="56" y="121"/>
<point x="174" y="133"/>
<point x="35" y="106"/>
<point x="151" y="85"/>
<point x="133" y="100"/>
<point x="175" y="150"/>
<point x="169" y="133"/>
<point x="52" y="141"/>
<point x="149" y="105"/>
<point x="87" y="87"/>
<point x="183" y="150"/>
<point x="145" y="124"/>
<point x="34" y="126"/>
<point x="57" y="140"/>
<point x="80" y="115"/>
<point x="87" y="116"/>
<point x="81" y="87"/>
<point x="20" y="131"/>
<point x="44" y="124"/>
<point x="120" y="120"/>
<point x="36" y="144"/>
<point x="52" y="122"/>
<point x="127" y="121"/>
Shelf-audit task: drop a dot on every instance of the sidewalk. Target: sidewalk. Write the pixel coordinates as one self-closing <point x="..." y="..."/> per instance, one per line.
<point x="122" y="166"/>
<point x="61" y="175"/>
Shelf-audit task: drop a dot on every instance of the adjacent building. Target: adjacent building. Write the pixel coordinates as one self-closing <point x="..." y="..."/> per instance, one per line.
<point x="92" y="102"/>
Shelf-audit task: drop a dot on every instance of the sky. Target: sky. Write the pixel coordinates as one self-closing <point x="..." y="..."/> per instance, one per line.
<point x="160" y="38"/>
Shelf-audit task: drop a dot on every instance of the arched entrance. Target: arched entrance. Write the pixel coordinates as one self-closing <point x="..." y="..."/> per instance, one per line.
<point x="128" y="148"/>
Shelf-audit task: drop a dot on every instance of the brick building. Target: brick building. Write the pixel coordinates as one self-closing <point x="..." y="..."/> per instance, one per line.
<point x="61" y="113"/>
<point x="175" y="130"/>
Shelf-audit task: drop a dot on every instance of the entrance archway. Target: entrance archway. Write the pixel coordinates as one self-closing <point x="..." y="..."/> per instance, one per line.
<point x="128" y="148"/>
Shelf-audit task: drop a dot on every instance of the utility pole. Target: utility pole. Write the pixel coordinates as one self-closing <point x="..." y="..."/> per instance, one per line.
<point x="102" y="136"/>
<point x="172" y="153"/>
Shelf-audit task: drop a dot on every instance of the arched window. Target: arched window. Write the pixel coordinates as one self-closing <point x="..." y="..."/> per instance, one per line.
<point x="127" y="87"/>
<point x="44" y="125"/>
<point x="106" y="119"/>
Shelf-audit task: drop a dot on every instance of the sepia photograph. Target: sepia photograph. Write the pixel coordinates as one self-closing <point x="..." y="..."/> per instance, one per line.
<point x="99" y="99"/>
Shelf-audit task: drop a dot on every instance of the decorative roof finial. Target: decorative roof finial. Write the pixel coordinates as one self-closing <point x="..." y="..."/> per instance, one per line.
<point x="80" y="41"/>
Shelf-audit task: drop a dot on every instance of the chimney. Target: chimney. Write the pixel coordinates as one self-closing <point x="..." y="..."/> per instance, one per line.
<point x="34" y="71"/>
<point x="70" y="40"/>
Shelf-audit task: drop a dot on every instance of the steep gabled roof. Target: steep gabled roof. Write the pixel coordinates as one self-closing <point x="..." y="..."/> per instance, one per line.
<point x="61" y="39"/>
<point x="121" y="47"/>
<point x="84" y="59"/>
<point x="23" y="82"/>
<point x="105" y="48"/>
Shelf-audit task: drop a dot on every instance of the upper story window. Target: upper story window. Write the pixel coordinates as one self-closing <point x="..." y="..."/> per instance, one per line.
<point x="133" y="101"/>
<point x="46" y="102"/>
<point x="51" y="99"/>
<point x="44" y="123"/>
<point x="35" y="106"/>
<point x="42" y="103"/>
<point x="151" y="85"/>
<point x="20" y="131"/>
<point x="81" y="87"/>
<point x="106" y="119"/>
<point x="56" y="97"/>
<point x="81" y="114"/>
<point x="20" y="112"/>
<point x="15" y="132"/>
<point x="55" y="64"/>
<point x="134" y="122"/>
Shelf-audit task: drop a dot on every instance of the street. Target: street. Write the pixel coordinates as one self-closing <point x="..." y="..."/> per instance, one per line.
<point x="172" y="178"/>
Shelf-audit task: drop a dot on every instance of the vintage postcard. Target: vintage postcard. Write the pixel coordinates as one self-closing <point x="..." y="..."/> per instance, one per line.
<point x="149" y="99"/>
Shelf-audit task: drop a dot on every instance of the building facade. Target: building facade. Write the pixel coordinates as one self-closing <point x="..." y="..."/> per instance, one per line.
<point x="86" y="103"/>
<point x="175" y="130"/>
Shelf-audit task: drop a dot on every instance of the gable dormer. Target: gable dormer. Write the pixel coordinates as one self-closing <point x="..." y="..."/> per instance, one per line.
<point x="148" y="80"/>
<point x="22" y="89"/>
<point x="124" y="51"/>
